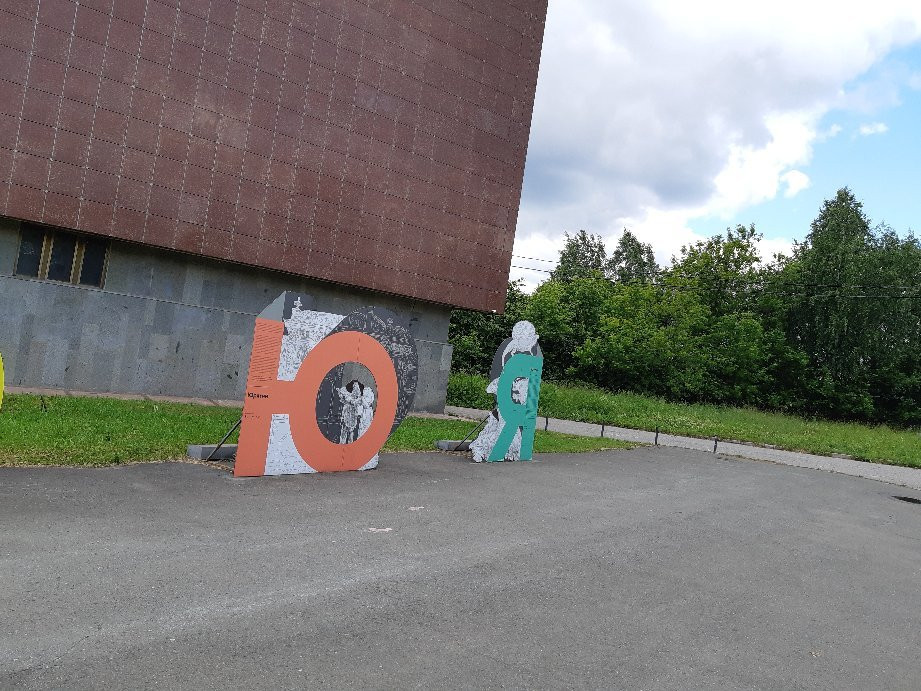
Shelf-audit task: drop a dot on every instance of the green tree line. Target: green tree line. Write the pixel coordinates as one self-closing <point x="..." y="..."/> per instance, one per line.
<point x="834" y="330"/>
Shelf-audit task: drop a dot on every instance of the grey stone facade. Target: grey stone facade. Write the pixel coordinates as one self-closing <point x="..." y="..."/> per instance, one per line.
<point x="167" y="323"/>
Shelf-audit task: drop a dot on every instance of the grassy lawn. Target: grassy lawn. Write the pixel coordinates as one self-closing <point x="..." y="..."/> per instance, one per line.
<point x="879" y="444"/>
<point x="105" y="431"/>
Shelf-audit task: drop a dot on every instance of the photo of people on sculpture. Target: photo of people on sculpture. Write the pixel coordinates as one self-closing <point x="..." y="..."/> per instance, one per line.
<point x="357" y="410"/>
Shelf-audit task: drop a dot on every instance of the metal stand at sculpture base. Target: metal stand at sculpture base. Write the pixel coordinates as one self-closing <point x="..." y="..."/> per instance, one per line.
<point x="226" y="437"/>
<point x="455" y="446"/>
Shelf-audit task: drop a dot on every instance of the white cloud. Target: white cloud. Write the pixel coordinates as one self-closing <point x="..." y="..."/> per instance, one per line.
<point x="753" y="173"/>
<point x="873" y="128"/>
<point x="796" y="181"/>
<point x="771" y="247"/>
<point x="830" y="133"/>
<point x="544" y="250"/>
<point x="653" y="113"/>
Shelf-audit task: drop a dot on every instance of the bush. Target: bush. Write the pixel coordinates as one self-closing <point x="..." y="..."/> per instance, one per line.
<point x="469" y="391"/>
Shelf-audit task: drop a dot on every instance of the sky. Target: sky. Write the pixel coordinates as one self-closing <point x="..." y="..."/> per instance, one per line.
<point x="677" y="119"/>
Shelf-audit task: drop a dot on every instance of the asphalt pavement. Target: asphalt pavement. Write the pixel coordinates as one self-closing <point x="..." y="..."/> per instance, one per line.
<point x="647" y="569"/>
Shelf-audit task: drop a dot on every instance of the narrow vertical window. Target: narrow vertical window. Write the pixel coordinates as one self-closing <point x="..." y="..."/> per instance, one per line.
<point x="61" y="265"/>
<point x="31" y="242"/>
<point x="94" y="262"/>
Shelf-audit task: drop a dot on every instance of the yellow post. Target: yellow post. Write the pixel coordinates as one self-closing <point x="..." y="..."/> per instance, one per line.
<point x="1" y="381"/>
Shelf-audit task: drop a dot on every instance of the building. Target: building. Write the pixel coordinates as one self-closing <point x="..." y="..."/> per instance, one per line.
<point x="167" y="168"/>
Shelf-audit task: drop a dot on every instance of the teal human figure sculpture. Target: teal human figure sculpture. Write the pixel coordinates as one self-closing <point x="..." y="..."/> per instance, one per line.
<point x="519" y="417"/>
<point x="509" y="431"/>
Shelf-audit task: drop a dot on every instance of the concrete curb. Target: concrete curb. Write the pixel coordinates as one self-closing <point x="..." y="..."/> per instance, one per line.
<point x="845" y="465"/>
<point x="124" y="396"/>
<point x="200" y="452"/>
<point x="453" y="445"/>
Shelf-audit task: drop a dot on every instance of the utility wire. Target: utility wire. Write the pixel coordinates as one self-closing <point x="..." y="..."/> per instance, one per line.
<point x="535" y="259"/>
<point x="761" y="283"/>
<point x="758" y="282"/>
<point x="779" y="288"/>
<point x="528" y="268"/>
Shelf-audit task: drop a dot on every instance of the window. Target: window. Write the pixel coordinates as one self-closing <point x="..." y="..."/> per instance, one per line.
<point x="61" y="256"/>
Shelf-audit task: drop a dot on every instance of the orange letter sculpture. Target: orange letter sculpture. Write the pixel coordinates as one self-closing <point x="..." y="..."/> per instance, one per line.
<point x="324" y="391"/>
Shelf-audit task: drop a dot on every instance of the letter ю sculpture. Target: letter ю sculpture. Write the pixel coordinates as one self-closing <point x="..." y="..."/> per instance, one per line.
<point x="308" y="407"/>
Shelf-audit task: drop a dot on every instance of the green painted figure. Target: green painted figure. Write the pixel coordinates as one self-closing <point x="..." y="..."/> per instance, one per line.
<point x="516" y="375"/>
<point x="517" y="415"/>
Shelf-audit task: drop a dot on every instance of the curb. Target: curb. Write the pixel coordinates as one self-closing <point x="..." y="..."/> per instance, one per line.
<point x="221" y="403"/>
<point x="836" y="463"/>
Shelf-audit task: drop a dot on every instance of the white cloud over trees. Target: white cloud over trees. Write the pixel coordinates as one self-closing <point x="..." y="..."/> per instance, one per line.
<point x="651" y="113"/>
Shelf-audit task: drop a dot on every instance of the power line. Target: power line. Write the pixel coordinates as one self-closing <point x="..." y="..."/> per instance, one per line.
<point x="535" y="259"/>
<point x="758" y="283"/>
<point x="528" y="268"/>
<point x="742" y="281"/>
<point x="779" y="289"/>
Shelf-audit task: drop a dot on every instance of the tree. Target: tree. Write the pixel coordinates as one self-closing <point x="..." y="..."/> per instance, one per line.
<point x="565" y="314"/>
<point x="854" y="309"/>
<point x="667" y="343"/>
<point x="894" y="337"/>
<point x="648" y="341"/>
<point x="823" y="319"/>
<point x="632" y="261"/>
<point x="833" y="330"/>
<point x="723" y="270"/>
<point x="583" y="256"/>
<point x="476" y="336"/>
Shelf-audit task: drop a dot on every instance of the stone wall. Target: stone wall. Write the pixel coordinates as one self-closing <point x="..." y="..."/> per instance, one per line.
<point x="173" y="324"/>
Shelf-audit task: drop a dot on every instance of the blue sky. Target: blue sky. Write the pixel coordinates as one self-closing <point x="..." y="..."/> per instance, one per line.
<point x="678" y="119"/>
<point x="882" y="165"/>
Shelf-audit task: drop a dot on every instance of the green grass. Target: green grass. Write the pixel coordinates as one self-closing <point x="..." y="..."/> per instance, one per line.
<point x="870" y="443"/>
<point x="105" y="431"/>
